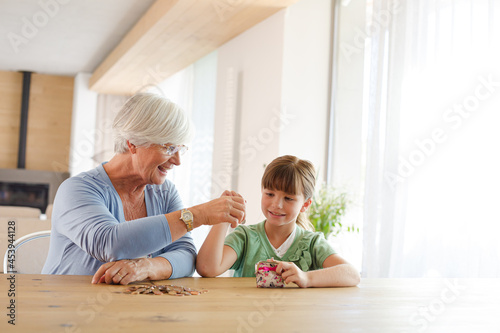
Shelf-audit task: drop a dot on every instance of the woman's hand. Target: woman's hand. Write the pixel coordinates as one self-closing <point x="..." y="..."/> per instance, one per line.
<point x="230" y="207"/>
<point x="235" y="194"/>
<point x="123" y="271"/>
<point x="291" y="273"/>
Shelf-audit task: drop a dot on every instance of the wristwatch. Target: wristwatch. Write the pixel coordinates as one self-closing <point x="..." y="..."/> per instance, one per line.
<point x="187" y="218"/>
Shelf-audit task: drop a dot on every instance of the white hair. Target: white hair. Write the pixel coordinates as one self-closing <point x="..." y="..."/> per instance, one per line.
<point x="147" y="119"/>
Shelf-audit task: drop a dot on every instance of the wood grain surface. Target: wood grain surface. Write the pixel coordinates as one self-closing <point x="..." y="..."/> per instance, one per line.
<point x="51" y="303"/>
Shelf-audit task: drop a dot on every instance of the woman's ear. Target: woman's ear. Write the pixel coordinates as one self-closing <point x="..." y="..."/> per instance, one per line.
<point x="306" y="205"/>
<point x="131" y="147"/>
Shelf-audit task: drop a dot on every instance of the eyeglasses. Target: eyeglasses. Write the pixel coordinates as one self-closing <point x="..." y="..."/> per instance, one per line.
<point x="171" y="149"/>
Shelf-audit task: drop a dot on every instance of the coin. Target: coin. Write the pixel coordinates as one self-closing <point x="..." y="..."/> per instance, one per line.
<point x="163" y="289"/>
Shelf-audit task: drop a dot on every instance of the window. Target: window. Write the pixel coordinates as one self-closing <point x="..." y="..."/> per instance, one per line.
<point x="429" y="176"/>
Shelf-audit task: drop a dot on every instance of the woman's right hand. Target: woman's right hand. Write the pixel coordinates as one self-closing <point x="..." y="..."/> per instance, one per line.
<point x="230" y="207"/>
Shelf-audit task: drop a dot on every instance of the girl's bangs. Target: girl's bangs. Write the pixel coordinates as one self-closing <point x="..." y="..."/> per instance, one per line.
<point x="284" y="179"/>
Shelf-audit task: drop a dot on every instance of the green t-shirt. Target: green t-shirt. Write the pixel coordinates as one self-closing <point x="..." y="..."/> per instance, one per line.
<point x="308" y="250"/>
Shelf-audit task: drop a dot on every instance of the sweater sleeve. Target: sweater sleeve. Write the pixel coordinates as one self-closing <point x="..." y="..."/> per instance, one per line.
<point x="182" y="256"/>
<point x="82" y="213"/>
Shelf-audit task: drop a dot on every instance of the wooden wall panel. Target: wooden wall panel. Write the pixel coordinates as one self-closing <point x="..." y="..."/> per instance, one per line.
<point x="11" y="87"/>
<point x="173" y="34"/>
<point x="49" y="123"/>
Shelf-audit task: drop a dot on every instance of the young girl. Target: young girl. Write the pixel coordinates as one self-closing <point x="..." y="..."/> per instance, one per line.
<point x="287" y="235"/>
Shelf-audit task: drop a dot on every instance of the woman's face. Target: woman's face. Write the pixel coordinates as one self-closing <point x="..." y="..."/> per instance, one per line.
<point x="152" y="163"/>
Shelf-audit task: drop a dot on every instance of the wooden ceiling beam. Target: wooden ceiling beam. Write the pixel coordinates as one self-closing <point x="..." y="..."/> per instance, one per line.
<point x="173" y="34"/>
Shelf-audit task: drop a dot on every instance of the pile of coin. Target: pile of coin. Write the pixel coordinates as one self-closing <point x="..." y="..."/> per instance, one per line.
<point x="163" y="290"/>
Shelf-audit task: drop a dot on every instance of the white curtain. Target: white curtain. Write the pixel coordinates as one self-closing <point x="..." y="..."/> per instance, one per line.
<point x="432" y="180"/>
<point x="107" y="108"/>
<point x="194" y="90"/>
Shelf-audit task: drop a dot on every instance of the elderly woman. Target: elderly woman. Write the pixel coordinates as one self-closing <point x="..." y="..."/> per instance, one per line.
<point x="123" y="221"/>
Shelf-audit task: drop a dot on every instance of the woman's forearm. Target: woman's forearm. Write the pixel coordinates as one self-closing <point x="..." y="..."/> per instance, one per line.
<point x="158" y="268"/>
<point x="223" y="210"/>
<point x="181" y="255"/>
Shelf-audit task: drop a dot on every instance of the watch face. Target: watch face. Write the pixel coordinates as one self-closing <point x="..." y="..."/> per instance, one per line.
<point x="187" y="216"/>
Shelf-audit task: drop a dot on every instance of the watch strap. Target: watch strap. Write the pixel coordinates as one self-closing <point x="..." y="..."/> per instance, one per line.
<point x="188" y="221"/>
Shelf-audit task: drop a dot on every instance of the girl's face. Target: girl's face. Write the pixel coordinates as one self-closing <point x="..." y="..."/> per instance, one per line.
<point x="152" y="163"/>
<point x="281" y="208"/>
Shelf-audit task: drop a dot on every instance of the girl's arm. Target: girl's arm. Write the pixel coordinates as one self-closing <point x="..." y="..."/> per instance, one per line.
<point x="214" y="257"/>
<point x="336" y="272"/>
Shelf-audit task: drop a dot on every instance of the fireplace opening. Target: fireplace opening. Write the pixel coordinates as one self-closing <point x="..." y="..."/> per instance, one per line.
<point x="24" y="194"/>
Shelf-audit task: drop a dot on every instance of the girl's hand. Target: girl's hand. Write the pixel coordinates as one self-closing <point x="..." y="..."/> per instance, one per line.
<point x="291" y="273"/>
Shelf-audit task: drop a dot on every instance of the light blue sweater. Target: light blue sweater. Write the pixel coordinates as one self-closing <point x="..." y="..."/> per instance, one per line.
<point x="89" y="227"/>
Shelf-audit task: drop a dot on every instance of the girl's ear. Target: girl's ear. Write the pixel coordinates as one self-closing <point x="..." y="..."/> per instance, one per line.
<point x="131" y="147"/>
<point x="306" y="205"/>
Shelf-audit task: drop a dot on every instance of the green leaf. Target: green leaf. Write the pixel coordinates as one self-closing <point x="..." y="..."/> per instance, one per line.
<point x="327" y="209"/>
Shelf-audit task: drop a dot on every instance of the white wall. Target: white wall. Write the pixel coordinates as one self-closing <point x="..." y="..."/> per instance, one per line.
<point x="272" y="98"/>
<point x="249" y="78"/>
<point x="306" y="89"/>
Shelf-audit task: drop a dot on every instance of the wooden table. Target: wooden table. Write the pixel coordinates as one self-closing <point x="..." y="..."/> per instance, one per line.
<point x="47" y="303"/>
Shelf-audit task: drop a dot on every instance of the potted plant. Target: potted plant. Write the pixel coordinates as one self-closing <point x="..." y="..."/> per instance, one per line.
<point x="327" y="209"/>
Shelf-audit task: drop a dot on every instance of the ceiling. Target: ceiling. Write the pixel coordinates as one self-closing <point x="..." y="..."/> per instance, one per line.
<point x="70" y="36"/>
<point x="125" y="44"/>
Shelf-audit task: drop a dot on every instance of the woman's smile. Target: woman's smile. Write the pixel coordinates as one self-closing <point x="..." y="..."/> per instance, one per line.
<point x="163" y="170"/>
